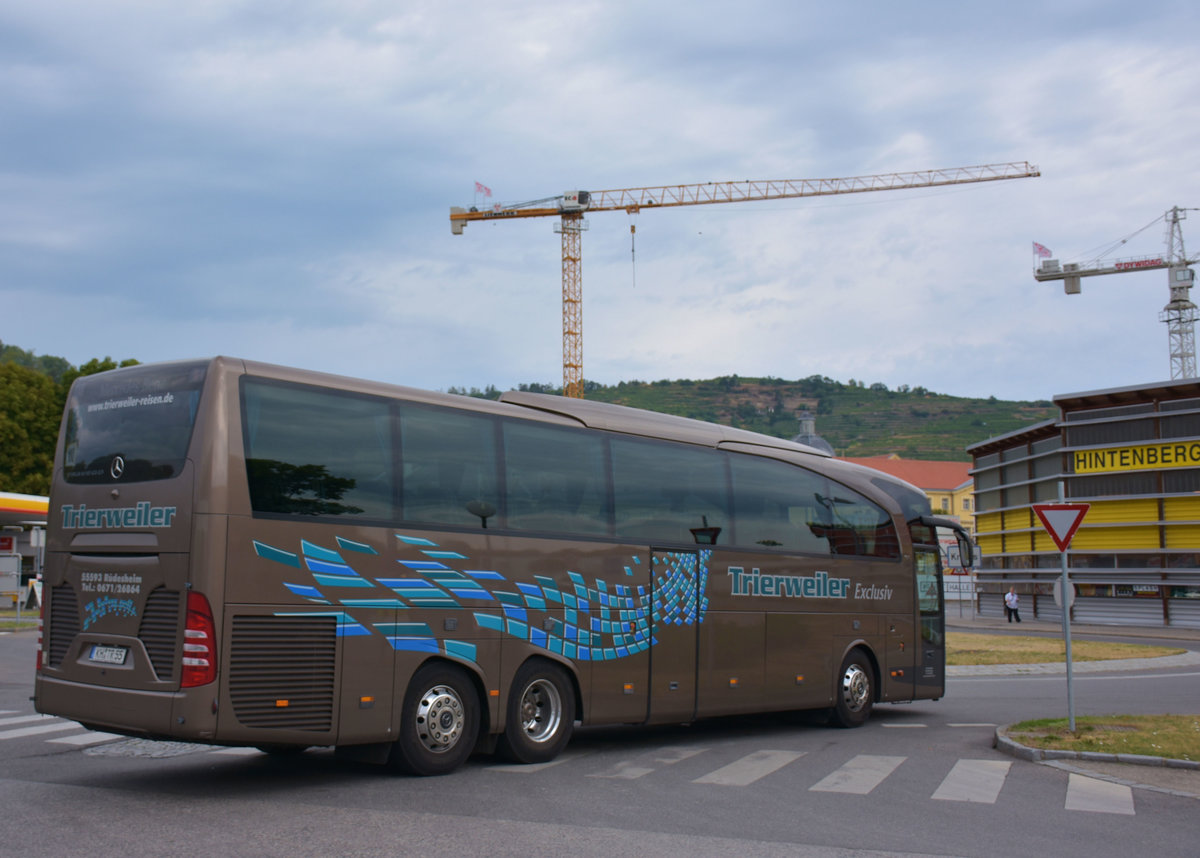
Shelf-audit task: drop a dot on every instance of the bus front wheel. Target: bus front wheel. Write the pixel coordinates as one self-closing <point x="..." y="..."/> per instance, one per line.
<point x="541" y="713"/>
<point x="438" y="723"/>
<point x="855" y="693"/>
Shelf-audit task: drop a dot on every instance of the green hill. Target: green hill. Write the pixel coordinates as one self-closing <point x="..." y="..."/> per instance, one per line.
<point x="855" y="419"/>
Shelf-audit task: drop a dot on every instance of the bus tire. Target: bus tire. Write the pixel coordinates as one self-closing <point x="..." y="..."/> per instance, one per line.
<point x="541" y="713"/>
<point x="439" y="722"/>
<point x="855" y="692"/>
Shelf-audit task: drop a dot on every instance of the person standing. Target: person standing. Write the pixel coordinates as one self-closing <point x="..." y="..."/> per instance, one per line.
<point x="1011" y="604"/>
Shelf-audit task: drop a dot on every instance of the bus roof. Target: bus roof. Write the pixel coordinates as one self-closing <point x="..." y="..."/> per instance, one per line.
<point x="636" y="421"/>
<point x="594" y="415"/>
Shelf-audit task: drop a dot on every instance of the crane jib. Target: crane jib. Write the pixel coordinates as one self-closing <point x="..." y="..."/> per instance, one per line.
<point x="572" y="204"/>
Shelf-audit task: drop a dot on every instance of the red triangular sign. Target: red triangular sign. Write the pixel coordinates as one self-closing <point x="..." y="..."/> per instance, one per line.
<point x="1061" y="520"/>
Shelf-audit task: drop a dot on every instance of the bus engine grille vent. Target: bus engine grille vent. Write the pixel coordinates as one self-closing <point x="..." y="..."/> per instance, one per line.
<point x="64" y="623"/>
<point x="282" y="671"/>
<point x="160" y="630"/>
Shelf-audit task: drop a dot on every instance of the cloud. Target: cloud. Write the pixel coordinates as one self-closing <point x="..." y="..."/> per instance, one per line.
<point x="273" y="180"/>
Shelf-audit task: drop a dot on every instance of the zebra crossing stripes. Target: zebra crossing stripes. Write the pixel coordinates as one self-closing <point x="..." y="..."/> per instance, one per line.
<point x="971" y="781"/>
<point x="978" y="781"/>
<point x="750" y="768"/>
<point x="85" y="739"/>
<point x="627" y="770"/>
<point x="533" y="768"/>
<point x="859" y="776"/>
<point x="1097" y="796"/>
<point x="39" y="724"/>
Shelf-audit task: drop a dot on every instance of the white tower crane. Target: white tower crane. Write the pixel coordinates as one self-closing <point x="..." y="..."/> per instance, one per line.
<point x="1179" y="314"/>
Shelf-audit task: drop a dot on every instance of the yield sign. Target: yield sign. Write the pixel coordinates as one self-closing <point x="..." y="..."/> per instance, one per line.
<point x="1061" y="520"/>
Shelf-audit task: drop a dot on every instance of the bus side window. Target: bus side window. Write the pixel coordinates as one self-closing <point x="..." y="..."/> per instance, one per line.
<point x="669" y="493"/>
<point x="773" y="507"/>
<point x="316" y="452"/>
<point x="449" y="467"/>
<point x="555" y="479"/>
<point x="792" y="509"/>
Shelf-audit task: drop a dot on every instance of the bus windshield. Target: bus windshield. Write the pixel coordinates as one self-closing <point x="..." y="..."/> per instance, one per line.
<point x="133" y="425"/>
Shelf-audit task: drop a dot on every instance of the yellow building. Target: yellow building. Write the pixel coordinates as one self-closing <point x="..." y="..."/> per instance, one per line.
<point x="1133" y="454"/>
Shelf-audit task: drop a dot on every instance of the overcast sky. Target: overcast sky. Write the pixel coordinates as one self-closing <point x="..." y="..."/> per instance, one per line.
<point x="272" y="180"/>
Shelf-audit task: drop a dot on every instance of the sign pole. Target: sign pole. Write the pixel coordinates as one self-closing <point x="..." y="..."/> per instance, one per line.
<point x="1061" y="520"/>
<point x="1066" y="622"/>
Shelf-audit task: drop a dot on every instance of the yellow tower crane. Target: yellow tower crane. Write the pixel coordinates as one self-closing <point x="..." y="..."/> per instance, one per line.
<point x="571" y="206"/>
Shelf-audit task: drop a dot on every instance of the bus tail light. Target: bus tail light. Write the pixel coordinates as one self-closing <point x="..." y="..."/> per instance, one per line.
<point x="199" y="643"/>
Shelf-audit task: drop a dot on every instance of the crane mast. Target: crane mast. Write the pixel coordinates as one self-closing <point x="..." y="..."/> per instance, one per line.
<point x="1179" y="314"/>
<point x="571" y="206"/>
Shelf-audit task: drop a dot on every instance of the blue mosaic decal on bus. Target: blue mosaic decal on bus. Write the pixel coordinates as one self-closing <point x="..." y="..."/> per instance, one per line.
<point x="601" y="620"/>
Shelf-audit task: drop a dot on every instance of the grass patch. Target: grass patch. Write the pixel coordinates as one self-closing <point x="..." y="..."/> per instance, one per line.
<point x="1173" y="736"/>
<point x="964" y="648"/>
<point x="8" y="618"/>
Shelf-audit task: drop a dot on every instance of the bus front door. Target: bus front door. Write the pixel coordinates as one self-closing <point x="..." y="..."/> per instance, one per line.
<point x="675" y="628"/>
<point x="931" y="668"/>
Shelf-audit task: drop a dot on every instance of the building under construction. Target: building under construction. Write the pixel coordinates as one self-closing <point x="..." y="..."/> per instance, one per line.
<point x="1133" y="454"/>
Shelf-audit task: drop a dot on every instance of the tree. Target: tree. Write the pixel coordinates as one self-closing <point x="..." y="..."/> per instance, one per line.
<point x="33" y="394"/>
<point x="49" y="365"/>
<point x="92" y="367"/>
<point x="30" y="410"/>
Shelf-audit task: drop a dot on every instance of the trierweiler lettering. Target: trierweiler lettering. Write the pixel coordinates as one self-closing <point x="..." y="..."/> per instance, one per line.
<point x="143" y="515"/>
<point x="817" y="586"/>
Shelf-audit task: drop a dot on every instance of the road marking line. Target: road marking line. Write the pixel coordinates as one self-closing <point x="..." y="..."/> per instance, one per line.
<point x="86" y="739"/>
<point x="858" y="776"/>
<point x="750" y="768"/>
<point x="25" y="719"/>
<point x="623" y="770"/>
<point x="56" y="727"/>
<point x="976" y="781"/>
<point x="533" y="768"/>
<point x="1096" y="796"/>
<point x="239" y="752"/>
<point x="629" y="770"/>
<point x="974" y="724"/>
<point x="671" y="756"/>
<point x="906" y="726"/>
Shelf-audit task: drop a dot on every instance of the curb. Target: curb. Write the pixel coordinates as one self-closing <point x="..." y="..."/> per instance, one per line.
<point x="1008" y="746"/>
<point x="1189" y="658"/>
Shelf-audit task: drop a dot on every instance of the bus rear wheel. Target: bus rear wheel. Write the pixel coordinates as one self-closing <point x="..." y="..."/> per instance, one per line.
<point x="855" y="693"/>
<point x="439" y="722"/>
<point x="541" y="713"/>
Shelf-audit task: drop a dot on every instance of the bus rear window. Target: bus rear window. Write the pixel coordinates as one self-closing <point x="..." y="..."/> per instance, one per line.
<point x="131" y="425"/>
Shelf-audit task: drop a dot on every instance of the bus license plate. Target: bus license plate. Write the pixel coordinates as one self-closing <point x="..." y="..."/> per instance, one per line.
<point x="109" y="654"/>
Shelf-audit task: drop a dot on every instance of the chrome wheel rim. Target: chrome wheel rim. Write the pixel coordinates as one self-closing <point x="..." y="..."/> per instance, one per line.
<point x="541" y="710"/>
<point x="856" y="688"/>
<point x="441" y="719"/>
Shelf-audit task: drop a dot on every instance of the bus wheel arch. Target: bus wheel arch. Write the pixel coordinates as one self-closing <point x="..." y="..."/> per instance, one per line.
<point x="540" y="712"/>
<point x="440" y="720"/>
<point x="856" y="688"/>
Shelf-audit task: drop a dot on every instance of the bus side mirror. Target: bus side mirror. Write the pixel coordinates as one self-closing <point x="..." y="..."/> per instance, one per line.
<point x="966" y="557"/>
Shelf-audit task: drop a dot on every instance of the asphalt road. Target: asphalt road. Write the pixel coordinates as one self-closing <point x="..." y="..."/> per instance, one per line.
<point x="920" y="779"/>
